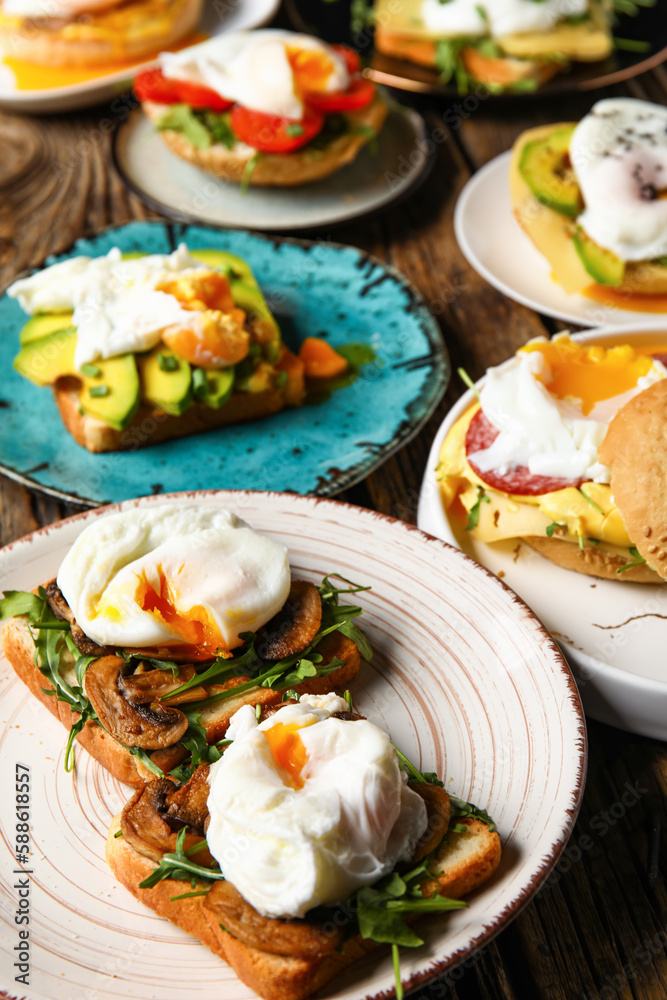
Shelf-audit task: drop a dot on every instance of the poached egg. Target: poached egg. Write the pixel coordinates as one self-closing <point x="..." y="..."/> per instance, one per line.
<point x="552" y="404"/>
<point x="264" y="70"/>
<point x="305" y="808"/>
<point x="496" y="17"/>
<point x="619" y="156"/>
<point x="179" y="577"/>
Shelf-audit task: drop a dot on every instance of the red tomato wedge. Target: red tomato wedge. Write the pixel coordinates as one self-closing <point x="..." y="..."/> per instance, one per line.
<point x="481" y="434"/>
<point x="154" y="86"/>
<point x="273" y="133"/>
<point x="360" y="93"/>
<point x="352" y="58"/>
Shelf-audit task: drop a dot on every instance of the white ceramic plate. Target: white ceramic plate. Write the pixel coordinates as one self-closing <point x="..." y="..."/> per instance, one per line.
<point x="613" y="633"/>
<point x="464" y="677"/>
<point x="177" y="189"/>
<point x="219" y="16"/>
<point x="495" y="245"/>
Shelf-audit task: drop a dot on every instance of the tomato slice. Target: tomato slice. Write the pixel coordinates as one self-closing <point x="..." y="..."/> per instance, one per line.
<point x="360" y="93"/>
<point x="154" y="86"/>
<point x="273" y="133"/>
<point x="352" y="58"/>
<point x="480" y="435"/>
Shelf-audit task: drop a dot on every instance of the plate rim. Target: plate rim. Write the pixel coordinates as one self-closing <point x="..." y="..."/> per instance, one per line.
<point x="545" y="864"/>
<point x="440" y="361"/>
<point x="622" y="677"/>
<point x="480" y="179"/>
<point x="414" y="182"/>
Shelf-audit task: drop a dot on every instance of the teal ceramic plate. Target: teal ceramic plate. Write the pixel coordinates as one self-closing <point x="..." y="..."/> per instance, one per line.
<point x="322" y="289"/>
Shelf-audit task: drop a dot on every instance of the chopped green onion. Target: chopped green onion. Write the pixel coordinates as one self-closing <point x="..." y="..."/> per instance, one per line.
<point x="167" y="363"/>
<point x="91" y="370"/>
<point x="99" y="390"/>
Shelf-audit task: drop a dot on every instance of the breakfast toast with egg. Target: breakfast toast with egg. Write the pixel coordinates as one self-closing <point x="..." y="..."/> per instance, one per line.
<point x="289" y="958"/>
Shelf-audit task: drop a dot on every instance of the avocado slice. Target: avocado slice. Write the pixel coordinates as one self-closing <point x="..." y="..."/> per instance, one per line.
<point x="117" y="405"/>
<point x="544" y="166"/>
<point x="604" y="267"/>
<point x="44" y="359"/>
<point x="266" y="330"/>
<point x="213" y="388"/>
<point x="42" y="323"/>
<point x="166" y="380"/>
<point x="221" y="260"/>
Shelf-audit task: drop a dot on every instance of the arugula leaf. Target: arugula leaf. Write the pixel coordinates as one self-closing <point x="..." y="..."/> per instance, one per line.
<point x="551" y="528"/>
<point x="19" y="602"/>
<point x="145" y="759"/>
<point x="474" y="512"/>
<point x="467" y="810"/>
<point x="181" y="118"/>
<point x="249" y="171"/>
<point x="177" y="865"/>
<point x="638" y="560"/>
<point x="219" y="126"/>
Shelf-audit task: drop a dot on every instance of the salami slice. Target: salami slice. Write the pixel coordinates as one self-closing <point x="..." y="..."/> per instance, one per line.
<point x="481" y="434"/>
<point x="660" y="357"/>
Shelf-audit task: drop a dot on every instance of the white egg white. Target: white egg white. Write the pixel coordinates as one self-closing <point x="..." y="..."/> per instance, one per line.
<point x="209" y="557"/>
<point x="619" y="155"/>
<point x="115" y="304"/>
<point x="549" y="436"/>
<point x="289" y="849"/>
<point x="252" y="68"/>
<point x="458" y="18"/>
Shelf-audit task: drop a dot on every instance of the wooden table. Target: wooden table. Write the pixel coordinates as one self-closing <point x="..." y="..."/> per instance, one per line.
<point x="598" y="930"/>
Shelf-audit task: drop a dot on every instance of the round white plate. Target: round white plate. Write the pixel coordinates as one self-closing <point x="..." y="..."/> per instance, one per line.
<point x="464" y="677"/>
<point x="493" y="242"/>
<point x="219" y="16"/>
<point x="184" y="192"/>
<point x="613" y="633"/>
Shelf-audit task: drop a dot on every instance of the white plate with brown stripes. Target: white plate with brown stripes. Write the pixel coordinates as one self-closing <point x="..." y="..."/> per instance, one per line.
<point x="464" y="677"/>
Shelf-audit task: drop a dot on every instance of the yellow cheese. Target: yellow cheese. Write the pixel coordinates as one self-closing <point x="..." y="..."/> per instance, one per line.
<point x="508" y="515"/>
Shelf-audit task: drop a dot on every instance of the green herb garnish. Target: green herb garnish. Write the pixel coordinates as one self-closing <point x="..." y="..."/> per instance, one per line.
<point x="474" y="512"/>
<point x="638" y="560"/>
<point x="99" y="390"/>
<point x="167" y="362"/>
<point x="91" y="370"/>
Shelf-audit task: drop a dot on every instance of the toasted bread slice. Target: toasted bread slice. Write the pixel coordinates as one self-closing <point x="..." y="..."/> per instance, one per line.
<point x="603" y="561"/>
<point x="276" y="169"/>
<point x="116" y="758"/>
<point x="464" y="862"/>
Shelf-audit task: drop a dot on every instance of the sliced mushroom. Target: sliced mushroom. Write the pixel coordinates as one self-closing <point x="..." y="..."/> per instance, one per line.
<point x="188" y="804"/>
<point x="437" y="810"/>
<point x="280" y="937"/>
<point x="62" y="610"/>
<point x="295" y="625"/>
<point x="150" y="727"/>
<point x="150" y="830"/>
<point x="146" y="686"/>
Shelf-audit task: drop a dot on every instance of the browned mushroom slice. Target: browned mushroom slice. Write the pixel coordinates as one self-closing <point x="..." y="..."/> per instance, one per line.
<point x="62" y="610"/>
<point x="295" y="625"/>
<point x="151" y="727"/>
<point x="281" y="937"/>
<point x="145" y="686"/>
<point x="438" y="810"/>
<point x="147" y="828"/>
<point x="189" y="802"/>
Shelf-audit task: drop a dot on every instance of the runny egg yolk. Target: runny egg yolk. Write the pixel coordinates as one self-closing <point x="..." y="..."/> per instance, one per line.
<point x="287" y="750"/>
<point x="196" y="627"/>
<point x="590" y="374"/>
<point x="218" y="339"/>
<point x="311" y="68"/>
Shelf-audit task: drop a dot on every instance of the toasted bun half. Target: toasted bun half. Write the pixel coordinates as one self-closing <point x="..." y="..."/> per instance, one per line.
<point x="635" y="449"/>
<point x="593" y="560"/>
<point x="113" y="756"/>
<point x="274" y="169"/>
<point x="133" y="30"/>
<point x="464" y="862"/>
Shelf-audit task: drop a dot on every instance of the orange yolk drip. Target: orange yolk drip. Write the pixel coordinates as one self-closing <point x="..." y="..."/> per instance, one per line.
<point x="636" y="302"/>
<point x="195" y="627"/>
<point x="590" y="374"/>
<point x="311" y="69"/>
<point x="288" y="751"/>
<point x="220" y="339"/>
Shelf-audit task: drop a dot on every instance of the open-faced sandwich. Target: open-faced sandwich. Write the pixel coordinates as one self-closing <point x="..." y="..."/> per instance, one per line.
<point x="309" y="842"/>
<point x="557" y="452"/>
<point x="93" y="32"/>
<point x="266" y="107"/>
<point x="176" y="343"/>
<point x="161" y="623"/>
<point x="511" y="45"/>
<point x="592" y="198"/>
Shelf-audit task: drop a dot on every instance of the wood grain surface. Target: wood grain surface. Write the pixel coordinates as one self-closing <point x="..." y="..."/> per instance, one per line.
<point x="598" y="930"/>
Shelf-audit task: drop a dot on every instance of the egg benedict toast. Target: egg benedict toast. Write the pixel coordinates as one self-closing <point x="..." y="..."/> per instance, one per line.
<point x="506" y="45"/>
<point x="540" y="457"/>
<point x="269" y="108"/>
<point x="161" y="623"/>
<point x="308" y="843"/>
<point x="93" y="32"/>
<point x="592" y="198"/>
<point x="154" y="347"/>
